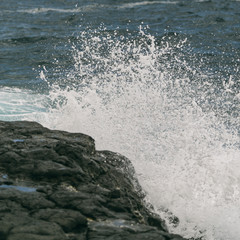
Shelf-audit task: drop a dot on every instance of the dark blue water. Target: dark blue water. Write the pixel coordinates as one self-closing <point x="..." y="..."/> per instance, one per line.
<point x="157" y="81"/>
<point x="33" y="33"/>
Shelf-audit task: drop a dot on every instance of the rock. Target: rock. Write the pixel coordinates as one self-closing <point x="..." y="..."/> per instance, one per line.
<point x="120" y="229"/>
<point x="54" y="185"/>
<point x="68" y="219"/>
<point x="37" y="229"/>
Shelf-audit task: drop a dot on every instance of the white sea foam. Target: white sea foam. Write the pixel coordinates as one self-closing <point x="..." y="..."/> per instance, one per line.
<point x="135" y="97"/>
<point x="87" y="8"/>
<point x="143" y="3"/>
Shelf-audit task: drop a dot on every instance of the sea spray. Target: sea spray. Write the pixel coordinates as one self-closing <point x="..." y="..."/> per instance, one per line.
<point x="147" y="99"/>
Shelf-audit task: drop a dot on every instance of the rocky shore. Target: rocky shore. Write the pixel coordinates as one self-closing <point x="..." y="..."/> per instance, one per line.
<point x="54" y="185"/>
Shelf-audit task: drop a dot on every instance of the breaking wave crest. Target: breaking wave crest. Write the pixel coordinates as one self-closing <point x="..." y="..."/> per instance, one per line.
<point x="150" y="100"/>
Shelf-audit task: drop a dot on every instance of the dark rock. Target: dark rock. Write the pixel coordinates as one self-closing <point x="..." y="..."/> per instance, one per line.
<point x="68" y="219"/>
<point x="120" y="229"/>
<point x="37" y="229"/>
<point x="54" y="185"/>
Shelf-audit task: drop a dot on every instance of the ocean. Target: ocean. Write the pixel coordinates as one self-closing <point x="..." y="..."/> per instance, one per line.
<point x="157" y="81"/>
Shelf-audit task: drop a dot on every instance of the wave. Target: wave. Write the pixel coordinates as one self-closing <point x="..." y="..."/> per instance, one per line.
<point x="143" y="3"/>
<point x="83" y="9"/>
<point x="149" y="100"/>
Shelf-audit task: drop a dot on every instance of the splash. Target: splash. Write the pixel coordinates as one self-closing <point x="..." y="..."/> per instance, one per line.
<point x="144" y="98"/>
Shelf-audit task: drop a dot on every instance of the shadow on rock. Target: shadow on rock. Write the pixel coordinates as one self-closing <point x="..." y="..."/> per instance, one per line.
<point x="54" y="185"/>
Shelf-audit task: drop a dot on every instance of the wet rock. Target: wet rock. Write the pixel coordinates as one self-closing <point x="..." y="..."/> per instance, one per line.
<point x="69" y="220"/>
<point x="54" y="185"/>
<point x="37" y="229"/>
<point x="120" y="229"/>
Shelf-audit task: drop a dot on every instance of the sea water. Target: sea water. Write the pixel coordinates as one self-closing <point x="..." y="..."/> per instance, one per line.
<point x="157" y="81"/>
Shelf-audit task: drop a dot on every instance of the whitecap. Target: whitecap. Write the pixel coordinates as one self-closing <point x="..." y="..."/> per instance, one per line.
<point x="143" y="3"/>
